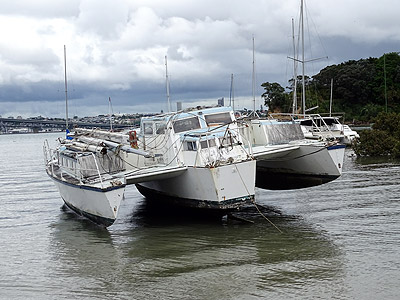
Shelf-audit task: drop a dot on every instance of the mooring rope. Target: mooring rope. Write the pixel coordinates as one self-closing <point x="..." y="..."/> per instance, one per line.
<point x="254" y="202"/>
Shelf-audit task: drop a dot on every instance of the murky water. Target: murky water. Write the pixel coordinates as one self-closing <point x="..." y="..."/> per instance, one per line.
<point x="339" y="241"/>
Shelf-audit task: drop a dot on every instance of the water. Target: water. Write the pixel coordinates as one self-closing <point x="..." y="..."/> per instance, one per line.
<point x="339" y="241"/>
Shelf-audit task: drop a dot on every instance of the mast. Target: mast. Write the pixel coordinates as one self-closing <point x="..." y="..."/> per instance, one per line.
<point x="231" y="95"/>
<point x="110" y="112"/>
<point x="331" y="99"/>
<point x="66" y="89"/>
<point x="167" y="84"/>
<point x="294" y="72"/>
<point x="254" y="82"/>
<point x="302" y="59"/>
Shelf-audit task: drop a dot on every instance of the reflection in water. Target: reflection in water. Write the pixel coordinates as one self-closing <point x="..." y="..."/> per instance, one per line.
<point x="165" y="254"/>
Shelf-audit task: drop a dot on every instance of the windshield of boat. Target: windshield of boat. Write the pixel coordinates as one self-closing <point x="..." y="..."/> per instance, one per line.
<point x="207" y="143"/>
<point x="186" y="124"/>
<point x="218" y="119"/>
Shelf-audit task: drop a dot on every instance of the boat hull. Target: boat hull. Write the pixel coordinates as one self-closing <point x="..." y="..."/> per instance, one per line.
<point x="308" y="166"/>
<point x="208" y="189"/>
<point x="99" y="205"/>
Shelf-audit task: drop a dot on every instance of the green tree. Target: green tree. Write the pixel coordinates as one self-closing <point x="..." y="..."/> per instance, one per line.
<point x="383" y="139"/>
<point x="275" y="97"/>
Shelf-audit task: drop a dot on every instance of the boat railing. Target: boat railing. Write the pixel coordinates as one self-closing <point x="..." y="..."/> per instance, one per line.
<point x="321" y="128"/>
<point x="226" y="136"/>
<point x="49" y="155"/>
<point x="71" y="169"/>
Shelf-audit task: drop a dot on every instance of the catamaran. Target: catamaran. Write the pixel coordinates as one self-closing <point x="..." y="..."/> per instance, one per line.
<point x="297" y="162"/>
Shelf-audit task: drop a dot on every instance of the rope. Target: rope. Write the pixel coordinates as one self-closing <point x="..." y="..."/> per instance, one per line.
<point x="254" y="202"/>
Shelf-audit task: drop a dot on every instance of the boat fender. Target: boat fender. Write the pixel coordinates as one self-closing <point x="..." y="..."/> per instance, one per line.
<point x="133" y="139"/>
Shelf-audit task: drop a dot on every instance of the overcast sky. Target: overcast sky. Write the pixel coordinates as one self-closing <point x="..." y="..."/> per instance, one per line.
<point x="117" y="49"/>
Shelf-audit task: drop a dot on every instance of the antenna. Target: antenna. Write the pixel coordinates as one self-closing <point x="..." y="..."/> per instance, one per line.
<point x="167" y="84"/>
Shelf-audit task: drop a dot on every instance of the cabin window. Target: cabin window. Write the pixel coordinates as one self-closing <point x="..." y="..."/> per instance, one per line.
<point x="148" y="128"/>
<point x="191" y="146"/>
<point x="218" y="119"/>
<point x="186" y="124"/>
<point x="207" y="143"/>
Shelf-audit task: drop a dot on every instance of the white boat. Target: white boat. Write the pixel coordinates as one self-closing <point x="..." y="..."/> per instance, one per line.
<point x="299" y="162"/>
<point x="220" y="172"/>
<point x="315" y="126"/>
<point x="305" y="162"/>
<point x="85" y="175"/>
<point x="84" y="183"/>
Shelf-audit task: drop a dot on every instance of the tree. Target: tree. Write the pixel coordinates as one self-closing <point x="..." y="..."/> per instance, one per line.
<point x="275" y="97"/>
<point x="383" y="139"/>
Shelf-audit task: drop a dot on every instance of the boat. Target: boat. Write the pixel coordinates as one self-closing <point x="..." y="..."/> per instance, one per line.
<point x="86" y="175"/>
<point x="220" y="172"/>
<point x="315" y="126"/>
<point x="298" y="162"/>
<point x="86" y="180"/>
<point x="285" y="158"/>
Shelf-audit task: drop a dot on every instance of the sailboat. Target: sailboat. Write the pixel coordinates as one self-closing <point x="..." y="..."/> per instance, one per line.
<point x="85" y="175"/>
<point x="297" y="162"/>
<point x="315" y="126"/>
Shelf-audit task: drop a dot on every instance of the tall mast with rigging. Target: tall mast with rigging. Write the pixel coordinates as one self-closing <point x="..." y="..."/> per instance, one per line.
<point x="254" y="81"/>
<point x="231" y="95"/>
<point x="167" y="85"/>
<point x="294" y="72"/>
<point x="303" y="96"/>
<point x="66" y="89"/>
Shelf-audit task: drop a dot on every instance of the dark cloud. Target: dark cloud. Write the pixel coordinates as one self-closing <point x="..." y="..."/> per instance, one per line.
<point x="116" y="48"/>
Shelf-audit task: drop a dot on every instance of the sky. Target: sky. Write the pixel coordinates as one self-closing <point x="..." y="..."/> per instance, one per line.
<point x="116" y="49"/>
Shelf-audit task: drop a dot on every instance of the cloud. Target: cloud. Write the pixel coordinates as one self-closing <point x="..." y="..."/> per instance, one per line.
<point x="118" y="48"/>
<point x="103" y="18"/>
<point x="40" y="8"/>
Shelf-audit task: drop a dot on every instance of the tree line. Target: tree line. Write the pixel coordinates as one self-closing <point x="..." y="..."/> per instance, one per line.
<point x="361" y="89"/>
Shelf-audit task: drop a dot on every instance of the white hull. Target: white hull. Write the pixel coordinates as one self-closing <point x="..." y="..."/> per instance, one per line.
<point x="99" y="205"/>
<point x="309" y="165"/>
<point x="208" y="188"/>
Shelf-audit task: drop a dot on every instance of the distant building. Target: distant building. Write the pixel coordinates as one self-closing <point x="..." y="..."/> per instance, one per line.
<point x="178" y="106"/>
<point x="221" y="102"/>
